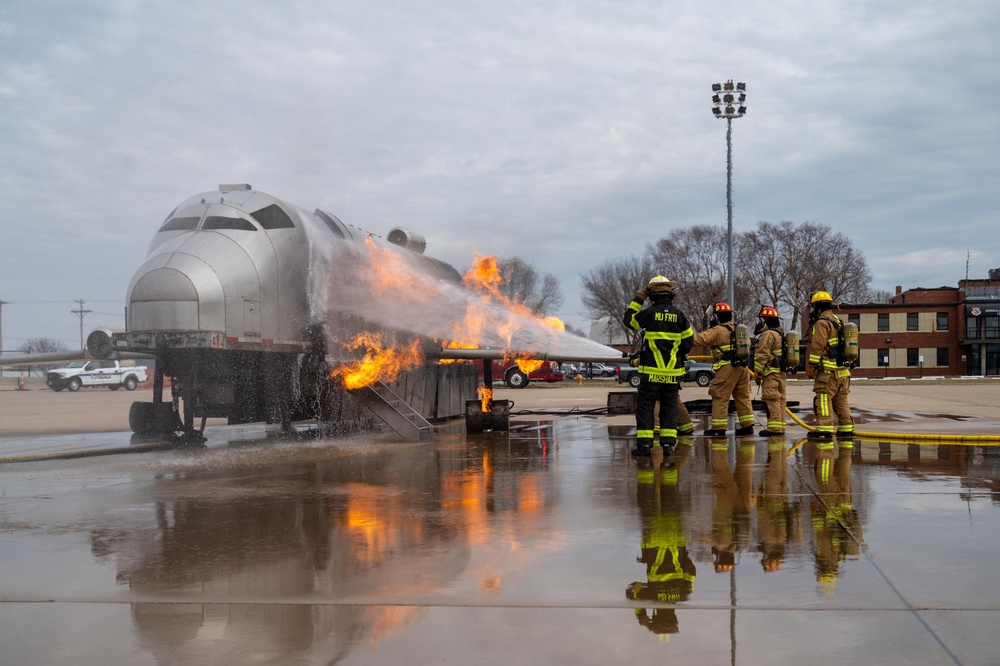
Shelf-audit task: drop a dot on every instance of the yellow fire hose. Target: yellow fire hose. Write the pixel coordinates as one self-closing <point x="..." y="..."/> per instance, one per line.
<point x="905" y="436"/>
<point x="911" y="437"/>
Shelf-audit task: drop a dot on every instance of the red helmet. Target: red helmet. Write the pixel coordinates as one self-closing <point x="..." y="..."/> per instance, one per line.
<point x="769" y="311"/>
<point x="722" y="306"/>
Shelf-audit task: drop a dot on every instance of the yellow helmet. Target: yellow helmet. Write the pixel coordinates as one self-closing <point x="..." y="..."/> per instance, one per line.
<point x="821" y="296"/>
<point x="660" y="284"/>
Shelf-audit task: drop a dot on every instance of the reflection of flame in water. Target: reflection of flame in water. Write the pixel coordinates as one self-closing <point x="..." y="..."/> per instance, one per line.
<point x="379" y="361"/>
<point x="486" y="397"/>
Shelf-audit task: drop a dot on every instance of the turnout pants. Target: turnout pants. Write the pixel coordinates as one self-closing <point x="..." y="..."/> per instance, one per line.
<point x="729" y="381"/>
<point x="773" y="389"/>
<point x="653" y="388"/>
<point x="832" y="389"/>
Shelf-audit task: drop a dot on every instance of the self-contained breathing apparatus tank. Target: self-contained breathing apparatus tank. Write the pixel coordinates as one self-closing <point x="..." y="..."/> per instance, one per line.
<point x="791" y="351"/>
<point x="741" y="344"/>
<point x="849" y="342"/>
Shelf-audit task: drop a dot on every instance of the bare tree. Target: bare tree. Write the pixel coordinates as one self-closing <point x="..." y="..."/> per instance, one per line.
<point x="523" y="284"/>
<point x="609" y="288"/>
<point x="785" y="264"/>
<point x="696" y="259"/>
<point x="41" y="346"/>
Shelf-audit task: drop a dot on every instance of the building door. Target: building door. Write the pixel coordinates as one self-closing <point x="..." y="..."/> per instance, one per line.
<point x="992" y="360"/>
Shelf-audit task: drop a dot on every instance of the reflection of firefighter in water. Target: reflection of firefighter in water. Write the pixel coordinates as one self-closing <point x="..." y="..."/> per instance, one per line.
<point x="733" y="499"/>
<point x="774" y="517"/>
<point x="835" y="522"/>
<point x="670" y="572"/>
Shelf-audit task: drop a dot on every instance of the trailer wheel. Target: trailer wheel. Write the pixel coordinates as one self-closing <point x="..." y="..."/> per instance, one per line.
<point x="74" y="384"/>
<point x="515" y="379"/>
<point x="131" y="382"/>
<point x="114" y="387"/>
<point x="141" y="418"/>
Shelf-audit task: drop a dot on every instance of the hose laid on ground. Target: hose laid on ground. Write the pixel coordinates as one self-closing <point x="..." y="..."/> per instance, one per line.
<point x="911" y="437"/>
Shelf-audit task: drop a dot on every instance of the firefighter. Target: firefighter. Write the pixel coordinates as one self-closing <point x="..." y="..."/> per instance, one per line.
<point x="828" y="370"/>
<point x="773" y="512"/>
<point x="732" y="378"/>
<point x="666" y="340"/>
<point x="670" y="572"/>
<point x="768" y="364"/>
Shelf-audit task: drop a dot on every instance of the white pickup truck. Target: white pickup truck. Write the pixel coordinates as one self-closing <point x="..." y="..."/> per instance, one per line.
<point x="95" y="373"/>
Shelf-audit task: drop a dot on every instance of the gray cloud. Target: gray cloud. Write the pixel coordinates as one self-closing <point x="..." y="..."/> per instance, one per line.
<point x="566" y="133"/>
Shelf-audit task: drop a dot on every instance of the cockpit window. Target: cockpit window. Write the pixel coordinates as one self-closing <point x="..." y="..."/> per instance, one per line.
<point x="180" y="224"/>
<point x="218" y="222"/>
<point x="272" y="217"/>
<point x="336" y="226"/>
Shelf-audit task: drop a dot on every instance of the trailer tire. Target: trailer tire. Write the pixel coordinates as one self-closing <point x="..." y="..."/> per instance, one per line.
<point x="515" y="379"/>
<point x="74" y="384"/>
<point x="141" y="418"/>
<point x="130" y="383"/>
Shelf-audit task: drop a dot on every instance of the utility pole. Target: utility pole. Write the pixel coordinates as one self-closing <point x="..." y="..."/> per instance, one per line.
<point x="2" y="303"/>
<point x="734" y="97"/>
<point x="80" y="312"/>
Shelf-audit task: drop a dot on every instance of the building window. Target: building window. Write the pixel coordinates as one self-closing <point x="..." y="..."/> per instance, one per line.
<point x="854" y="319"/>
<point x="942" y="321"/>
<point x="972" y="328"/>
<point x="912" y="321"/>
<point x="883" y="322"/>
<point x="942" y="357"/>
<point x="912" y="357"/>
<point x="883" y="357"/>
<point x="991" y="329"/>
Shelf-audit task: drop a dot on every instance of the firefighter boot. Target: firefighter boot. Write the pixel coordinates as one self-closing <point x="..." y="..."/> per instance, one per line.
<point x="714" y="432"/>
<point x="643" y="449"/>
<point x="816" y="434"/>
<point x="745" y="430"/>
<point x="668" y="444"/>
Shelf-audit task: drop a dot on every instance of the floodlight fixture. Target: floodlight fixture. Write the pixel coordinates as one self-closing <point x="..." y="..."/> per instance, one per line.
<point x="716" y="99"/>
<point x="716" y="110"/>
<point x="716" y="87"/>
<point x="741" y="86"/>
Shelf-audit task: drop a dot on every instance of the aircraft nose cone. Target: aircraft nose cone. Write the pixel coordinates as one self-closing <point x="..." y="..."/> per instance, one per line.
<point x="168" y="299"/>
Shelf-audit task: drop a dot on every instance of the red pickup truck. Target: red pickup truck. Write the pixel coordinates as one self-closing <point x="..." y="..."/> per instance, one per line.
<point x="514" y="377"/>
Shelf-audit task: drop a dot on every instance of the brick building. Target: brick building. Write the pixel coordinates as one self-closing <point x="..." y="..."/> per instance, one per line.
<point x="923" y="332"/>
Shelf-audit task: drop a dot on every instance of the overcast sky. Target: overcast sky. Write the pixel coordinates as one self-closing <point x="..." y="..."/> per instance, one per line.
<point x="568" y="133"/>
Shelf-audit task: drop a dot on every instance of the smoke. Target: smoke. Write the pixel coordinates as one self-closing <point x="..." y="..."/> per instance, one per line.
<point x="365" y="284"/>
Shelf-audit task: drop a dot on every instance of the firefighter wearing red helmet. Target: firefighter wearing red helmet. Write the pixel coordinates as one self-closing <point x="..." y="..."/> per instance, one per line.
<point x="732" y="378"/>
<point x="665" y="344"/>
<point x="830" y="373"/>
<point x="767" y="363"/>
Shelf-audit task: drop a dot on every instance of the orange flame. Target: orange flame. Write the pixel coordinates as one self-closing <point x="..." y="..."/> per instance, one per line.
<point x="528" y="365"/>
<point x="486" y="396"/>
<point x="379" y="362"/>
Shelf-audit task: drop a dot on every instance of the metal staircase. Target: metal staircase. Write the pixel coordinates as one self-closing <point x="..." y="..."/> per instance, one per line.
<point x="394" y="412"/>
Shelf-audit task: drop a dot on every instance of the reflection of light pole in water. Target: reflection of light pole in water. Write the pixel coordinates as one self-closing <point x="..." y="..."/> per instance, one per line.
<point x="731" y="104"/>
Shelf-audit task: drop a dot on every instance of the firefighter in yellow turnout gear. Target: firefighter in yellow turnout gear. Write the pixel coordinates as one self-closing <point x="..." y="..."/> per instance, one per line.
<point x="768" y="363"/>
<point x="670" y="572"/>
<point x="666" y="341"/>
<point x="732" y="378"/>
<point x="830" y="371"/>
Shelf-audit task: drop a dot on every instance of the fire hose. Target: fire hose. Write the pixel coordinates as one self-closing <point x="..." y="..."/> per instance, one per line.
<point x="911" y="437"/>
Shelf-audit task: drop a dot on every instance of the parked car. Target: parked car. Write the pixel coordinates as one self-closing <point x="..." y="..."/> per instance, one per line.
<point x="591" y="370"/>
<point x="699" y="373"/>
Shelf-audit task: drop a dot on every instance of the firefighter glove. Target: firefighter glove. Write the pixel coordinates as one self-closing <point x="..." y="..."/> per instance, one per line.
<point x="640" y="295"/>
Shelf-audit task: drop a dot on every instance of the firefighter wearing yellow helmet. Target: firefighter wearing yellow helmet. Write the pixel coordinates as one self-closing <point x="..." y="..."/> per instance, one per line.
<point x="768" y="363"/>
<point x="732" y="378"/>
<point x="665" y="344"/>
<point x="830" y="371"/>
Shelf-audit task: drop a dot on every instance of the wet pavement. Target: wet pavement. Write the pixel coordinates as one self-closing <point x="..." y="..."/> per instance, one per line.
<point x="547" y="544"/>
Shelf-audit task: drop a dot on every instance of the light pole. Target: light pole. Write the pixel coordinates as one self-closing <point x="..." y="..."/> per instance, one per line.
<point x="731" y="103"/>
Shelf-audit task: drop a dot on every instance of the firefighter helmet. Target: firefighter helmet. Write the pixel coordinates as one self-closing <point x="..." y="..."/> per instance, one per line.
<point x="768" y="311"/>
<point x="821" y="297"/>
<point x="660" y="284"/>
<point x="722" y="306"/>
